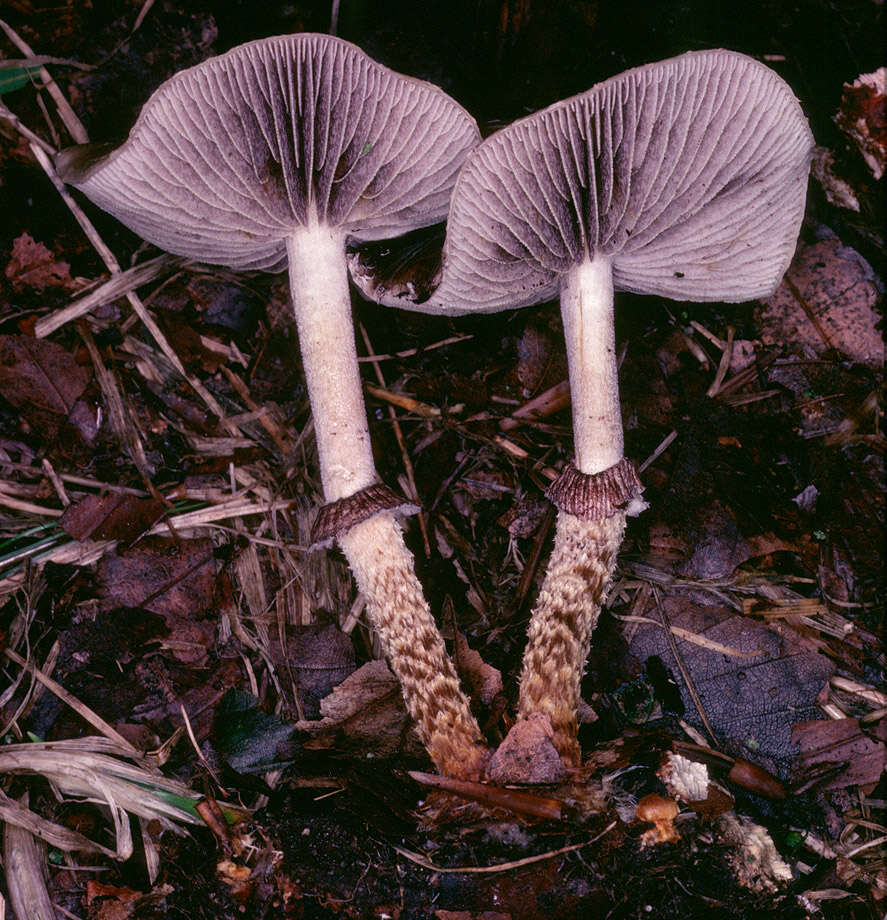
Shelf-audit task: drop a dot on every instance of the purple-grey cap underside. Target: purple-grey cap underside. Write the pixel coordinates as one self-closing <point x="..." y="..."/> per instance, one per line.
<point x="689" y="174"/>
<point x="228" y="157"/>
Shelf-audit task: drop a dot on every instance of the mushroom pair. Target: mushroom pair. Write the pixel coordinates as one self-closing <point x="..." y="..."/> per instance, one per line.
<point x="684" y="179"/>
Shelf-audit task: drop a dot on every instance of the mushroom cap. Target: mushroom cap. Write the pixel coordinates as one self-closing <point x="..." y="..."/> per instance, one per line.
<point x="689" y="175"/>
<point x="227" y="158"/>
<point x="654" y="807"/>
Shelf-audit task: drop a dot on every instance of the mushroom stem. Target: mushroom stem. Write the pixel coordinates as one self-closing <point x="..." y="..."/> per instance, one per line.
<point x="584" y="554"/>
<point x="566" y="612"/>
<point x="322" y="303"/>
<point x="382" y="565"/>
<point x="587" y="312"/>
<point x="383" y="569"/>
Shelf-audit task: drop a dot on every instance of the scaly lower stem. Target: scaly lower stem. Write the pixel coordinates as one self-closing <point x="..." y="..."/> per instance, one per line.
<point x="584" y="554"/>
<point x="376" y="552"/>
<point x="566" y="612"/>
<point x="383" y="567"/>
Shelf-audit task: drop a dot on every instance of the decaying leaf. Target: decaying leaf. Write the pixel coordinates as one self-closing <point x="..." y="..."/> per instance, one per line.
<point x="863" y="118"/>
<point x="319" y="658"/>
<point x="484" y="680"/>
<point x="838" y="742"/>
<point x="40" y="374"/>
<point x="828" y="300"/>
<point x="364" y="713"/>
<point x="750" y="702"/>
<point x="837" y="190"/>
<point x="32" y="265"/>
<point x="172" y="578"/>
<point x="110" y="517"/>
<point x="250" y="740"/>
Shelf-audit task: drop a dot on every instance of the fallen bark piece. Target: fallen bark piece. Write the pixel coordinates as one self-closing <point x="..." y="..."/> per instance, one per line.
<point x="528" y="754"/>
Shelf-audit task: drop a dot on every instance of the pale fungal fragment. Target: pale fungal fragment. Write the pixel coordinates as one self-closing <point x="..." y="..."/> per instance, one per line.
<point x="685" y="779"/>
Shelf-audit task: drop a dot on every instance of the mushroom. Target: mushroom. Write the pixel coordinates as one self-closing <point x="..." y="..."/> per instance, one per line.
<point x="270" y="157"/>
<point x="660" y="812"/>
<point x="684" y="179"/>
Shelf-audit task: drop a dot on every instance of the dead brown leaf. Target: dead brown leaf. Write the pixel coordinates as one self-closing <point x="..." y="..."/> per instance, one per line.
<point x="827" y="300"/>
<point x="40" y="374"/>
<point x="364" y="713"/>
<point x="863" y="118"/>
<point x="826" y="742"/>
<point x="107" y="902"/>
<point x="320" y="658"/>
<point x="32" y="265"/>
<point x="172" y="578"/>
<point x="484" y="680"/>
<point x="111" y="517"/>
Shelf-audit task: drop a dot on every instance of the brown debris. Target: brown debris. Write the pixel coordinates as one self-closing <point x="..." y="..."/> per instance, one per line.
<point x="111" y="517"/>
<point x="841" y="744"/>
<point x="169" y="577"/>
<point x="863" y="118"/>
<point x="484" y="681"/>
<point x="801" y="313"/>
<point x="33" y="266"/>
<point x="40" y="374"/>
<point x="527" y="755"/>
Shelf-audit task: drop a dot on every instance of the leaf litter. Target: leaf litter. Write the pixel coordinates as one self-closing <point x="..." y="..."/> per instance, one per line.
<point x="155" y="562"/>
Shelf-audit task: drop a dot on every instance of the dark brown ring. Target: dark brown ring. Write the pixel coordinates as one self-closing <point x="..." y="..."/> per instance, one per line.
<point x="340" y="516"/>
<point x="595" y="496"/>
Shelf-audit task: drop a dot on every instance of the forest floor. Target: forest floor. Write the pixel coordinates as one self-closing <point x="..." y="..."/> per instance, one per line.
<point x="195" y="717"/>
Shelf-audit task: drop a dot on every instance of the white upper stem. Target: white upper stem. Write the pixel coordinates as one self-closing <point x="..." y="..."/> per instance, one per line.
<point x="587" y="311"/>
<point x="322" y="303"/>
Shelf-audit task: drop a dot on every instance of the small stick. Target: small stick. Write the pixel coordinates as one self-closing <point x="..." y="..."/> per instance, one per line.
<point x="68" y="116"/>
<point x="404" y="402"/>
<point x="496" y="796"/>
<point x="691" y="687"/>
<point x="718" y="343"/>
<point x="660" y="450"/>
<point x="723" y="365"/>
<point x="532" y="565"/>
<point x="119" y="285"/>
<point x="57" y="483"/>
<point x="550" y="401"/>
<point x="426" y="863"/>
<point x="411" y="352"/>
